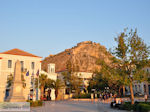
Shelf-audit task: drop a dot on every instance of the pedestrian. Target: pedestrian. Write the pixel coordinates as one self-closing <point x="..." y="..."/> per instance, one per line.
<point x="110" y="95"/>
<point x="92" y="97"/>
<point x="145" y="96"/>
<point x="95" y="97"/>
<point x="100" y="96"/>
<point x="103" y="97"/>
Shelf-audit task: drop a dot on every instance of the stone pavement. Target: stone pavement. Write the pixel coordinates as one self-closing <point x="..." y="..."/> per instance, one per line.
<point x="74" y="106"/>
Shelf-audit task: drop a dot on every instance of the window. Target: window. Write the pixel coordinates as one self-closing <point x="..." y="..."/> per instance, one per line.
<point x="52" y="70"/>
<point x="9" y="63"/>
<point x="139" y="88"/>
<point x="32" y="65"/>
<point x="135" y="87"/>
<point x="22" y="66"/>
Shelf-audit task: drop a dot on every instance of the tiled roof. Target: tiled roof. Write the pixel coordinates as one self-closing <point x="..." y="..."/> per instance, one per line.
<point x="19" y="52"/>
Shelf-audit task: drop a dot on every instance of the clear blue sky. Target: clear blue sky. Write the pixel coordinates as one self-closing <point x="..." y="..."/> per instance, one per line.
<point x="45" y="27"/>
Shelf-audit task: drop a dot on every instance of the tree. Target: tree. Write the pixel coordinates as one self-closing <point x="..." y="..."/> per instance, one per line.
<point x="58" y="84"/>
<point x="108" y="76"/>
<point x="66" y="79"/>
<point x="76" y="83"/>
<point x="9" y="80"/>
<point x="42" y="80"/>
<point x="69" y="66"/>
<point x="70" y="78"/>
<point x="50" y="83"/>
<point x="98" y="82"/>
<point x="133" y="54"/>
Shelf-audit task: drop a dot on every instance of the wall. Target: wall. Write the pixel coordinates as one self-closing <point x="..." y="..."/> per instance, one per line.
<point x="5" y="71"/>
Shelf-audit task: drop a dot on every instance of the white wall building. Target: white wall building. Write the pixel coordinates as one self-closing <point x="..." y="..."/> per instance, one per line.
<point x="141" y="88"/>
<point x="29" y="63"/>
<point x="51" y="75"/>
<point x="85" y="76"/>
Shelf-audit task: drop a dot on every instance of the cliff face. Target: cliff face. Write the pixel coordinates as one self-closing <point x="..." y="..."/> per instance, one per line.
<point x="84" y="56"/>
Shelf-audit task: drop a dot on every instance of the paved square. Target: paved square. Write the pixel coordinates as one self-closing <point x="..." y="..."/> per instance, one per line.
<point x="74" y="106"/>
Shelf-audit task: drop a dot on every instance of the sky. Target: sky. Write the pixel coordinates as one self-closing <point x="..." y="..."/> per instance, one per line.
<point x="45" y="27"/>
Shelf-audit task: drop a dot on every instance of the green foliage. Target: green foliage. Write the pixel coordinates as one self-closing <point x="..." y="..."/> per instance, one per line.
<point x="58" y="84"/>
<point x="143" y="107"/>
<point x="9" y="80"/>
<point x="45" y="83"/>
<point x="69" y="66"/>
<point x="98" y="82"/>
<point x="66" y="78"/>
<point x="72" y="81"/>
<point x="49" y="83"/>
<point x="137" y="107"/>
<point x="76" y="83"/>
<point x="82" y="96"/>
<point x="35" y="103"/>
<point x="43" y="79"/>
<point x="133" y="54"/>
<point x="126" y="106"/>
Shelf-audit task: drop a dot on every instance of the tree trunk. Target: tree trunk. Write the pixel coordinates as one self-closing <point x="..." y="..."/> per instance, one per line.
<point x="123" y="90"/>
<point x="42" y="92"/>
<point x="120" y="91"/>
<point x="132" y="94"/>
<point x="56" y="94"/>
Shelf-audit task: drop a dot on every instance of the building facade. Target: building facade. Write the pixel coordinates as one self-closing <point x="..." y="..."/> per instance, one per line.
<point x="53" y="76"/>
<point x="30" y="65"/>
<point x="85" y="78"/>
<point x="141" y="88"/>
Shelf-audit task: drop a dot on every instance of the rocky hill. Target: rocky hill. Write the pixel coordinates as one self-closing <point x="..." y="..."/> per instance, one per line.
<point x="84" y="56"/>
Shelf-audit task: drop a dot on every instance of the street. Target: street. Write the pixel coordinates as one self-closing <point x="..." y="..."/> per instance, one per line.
<point x="74" y="106"/>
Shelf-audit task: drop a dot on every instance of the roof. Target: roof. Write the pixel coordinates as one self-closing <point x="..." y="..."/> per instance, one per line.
<point x="19" y="52"/>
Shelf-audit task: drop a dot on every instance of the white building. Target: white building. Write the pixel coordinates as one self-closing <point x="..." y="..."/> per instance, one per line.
<point x="29" y="63"/>
<point x="51" y="75"/>
<point x="141" y="88"/>
<point x="85" y="76"/>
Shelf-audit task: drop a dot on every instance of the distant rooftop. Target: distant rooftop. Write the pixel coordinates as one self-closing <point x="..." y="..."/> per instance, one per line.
<point x="19" y="52"/>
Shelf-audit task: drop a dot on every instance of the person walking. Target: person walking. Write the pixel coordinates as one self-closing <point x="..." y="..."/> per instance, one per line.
<point x="100" y="96"/>
<point x="145" y="97"/>
<point x="92" y="97"/>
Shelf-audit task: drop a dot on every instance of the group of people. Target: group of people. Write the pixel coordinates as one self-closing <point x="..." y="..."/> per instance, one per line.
<point x="105" y="96"/>
<point x="101" y="96"/>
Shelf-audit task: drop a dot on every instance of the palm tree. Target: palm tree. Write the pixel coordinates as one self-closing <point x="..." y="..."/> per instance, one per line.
<point x="43" y="80"/>
<point x="58" y="85"/>
<point x="50" y="83"/>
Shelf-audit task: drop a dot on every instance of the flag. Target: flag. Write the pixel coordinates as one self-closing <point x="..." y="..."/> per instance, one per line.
<point x="27" y="74"/>
<point x="37" y="74"/>
<point x="32" y="74"/>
